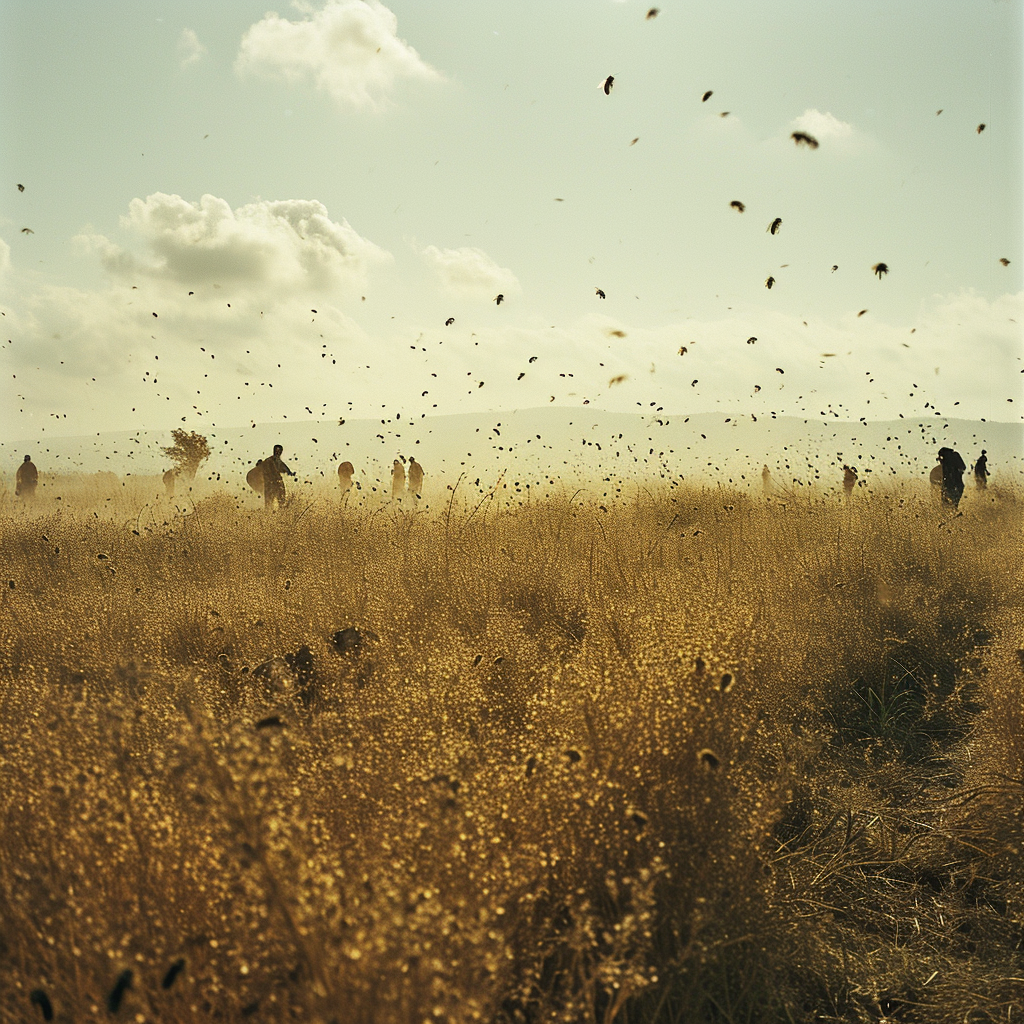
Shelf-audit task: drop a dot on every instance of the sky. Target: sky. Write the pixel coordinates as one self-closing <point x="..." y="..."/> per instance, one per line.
<point x="238" y="216"/>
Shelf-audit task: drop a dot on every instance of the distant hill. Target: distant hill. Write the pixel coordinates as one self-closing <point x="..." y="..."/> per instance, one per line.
<point x="571" y="446"/>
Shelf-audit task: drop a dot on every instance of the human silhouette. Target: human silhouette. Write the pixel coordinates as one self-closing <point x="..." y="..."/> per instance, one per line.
<point x="415" y="478"/>
<point x="953" y="469"/>
<point x="981" y="471"/>
<point x="26" y="479"/>
<point x="766" y="480"/>
<point x="849" y="479"/>
<point x="345" y="471"/>
<point x="169" y="478"/>
<point x="397" y="480"/>
<point x="274" y="470"/>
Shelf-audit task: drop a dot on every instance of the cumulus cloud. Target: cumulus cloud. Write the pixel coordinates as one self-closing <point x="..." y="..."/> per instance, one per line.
<point x="274" y="246"/>
<point x="350" y="50"/>
<point x="823" y="126"/>
<point x="190" y="50"/>
<point x="469" y="271"/>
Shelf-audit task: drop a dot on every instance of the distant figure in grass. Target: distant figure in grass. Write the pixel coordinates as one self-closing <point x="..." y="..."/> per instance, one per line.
<point x="169" y="478"/>
<point x="345" y="471"/>
<point x="766" y="480"/>
<point x="981" y="471"/>
<point x="953" y="469"/>
<point x="274" y="472"/>
<point x="415" y="478"/>
<point x="849" y="479"/>
<point x="254" y="478"/>
<point x="26" y="480"/>
<point x="397" y="480"/>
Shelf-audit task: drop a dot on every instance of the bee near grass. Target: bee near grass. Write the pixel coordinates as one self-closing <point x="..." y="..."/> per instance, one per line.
<point x="634" y="762"/>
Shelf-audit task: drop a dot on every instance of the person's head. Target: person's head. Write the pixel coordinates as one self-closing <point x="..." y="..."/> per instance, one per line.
<point x="259" y="462"/>
<point x="278" y="449"/>
<point x="28" y="458"/>
<point x="983" y="452"/>
<point x="398" y="464"/>
<point x="347" y="468"/>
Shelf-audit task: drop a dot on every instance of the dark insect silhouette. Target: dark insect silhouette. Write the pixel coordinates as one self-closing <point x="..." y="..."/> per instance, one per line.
<point x="449" y="321"/>
<point x="270" y="722"/>
<point x="708" y="759"/>
<point x="633" y="142"/>
<point x="1005" y="262"/>
<point x="707" y="96"/>
<point x="608" y="83"/>
<point x="21" y="188"/>
<point x="939" y="111"/>
<point x="532" y="359"/>
<point x="779" y="369"/>
<point x="39" y="997"/>
<point x="600" y="294"/>
<point x="751" y="339"/>
<point x="803" y="139"/>
<point x="737" y="205"/>
<point x="980" y="128"/>
<point x="683" y="350"/>
<point x="499" y="299"/>
<point x="27" y="231"/>
<point x="123" y="983"/>
<point x="652" y="13"/>
<point x="773" y="228"/>
<point x="521" y="376"/>
<point x="862" y="312"/>
<point x="835" y="267"/>
<point x="172" y="973"/>
<point x="725" y="113"/>
<point x="880" y="269"/>
<point x="769" y="282"/>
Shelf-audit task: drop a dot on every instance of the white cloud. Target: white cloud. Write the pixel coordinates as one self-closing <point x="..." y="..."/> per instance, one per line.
<point x="823" y="126"/>
<point x="190" y="50"/>
<point x="273" y="246"/>
<point x="350" y="49"/>
<point x="469" y="271"/>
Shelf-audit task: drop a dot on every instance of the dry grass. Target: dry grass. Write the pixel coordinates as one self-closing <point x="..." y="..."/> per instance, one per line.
<point x="689" y="758"/>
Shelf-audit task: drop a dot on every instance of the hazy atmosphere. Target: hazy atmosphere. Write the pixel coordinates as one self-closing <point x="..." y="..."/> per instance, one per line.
<point x="231" y="216"/>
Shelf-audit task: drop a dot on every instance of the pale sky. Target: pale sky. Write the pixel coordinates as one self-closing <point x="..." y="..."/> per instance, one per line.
<point x="303" y="199"/>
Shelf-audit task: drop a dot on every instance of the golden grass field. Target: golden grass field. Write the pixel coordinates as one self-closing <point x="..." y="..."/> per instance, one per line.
<point x="690" y="757"/>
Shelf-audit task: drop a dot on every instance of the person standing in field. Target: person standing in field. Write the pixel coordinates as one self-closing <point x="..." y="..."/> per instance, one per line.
<point x="345" y="471"/>
<point x="26" y="479"/>
<point x="953" y="469"/>
<point x="169" y="478"/>
<point x="849" y="479"/>
<point x="415" y="478"/>
<point x="981" y="471"/>
<point x="766" y="480"/>
<point x="397" y="480"/>
<point x="274" y="470"/>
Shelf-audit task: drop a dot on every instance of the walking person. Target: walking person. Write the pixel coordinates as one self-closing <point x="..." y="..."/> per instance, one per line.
<point x="345" y="471"/>
<point x="953" y="469"/>
<point x="981" y="471"/>
<point x="415" y="478"/>
<point x="849" y="479"/>
<point x="397" y="480"/>
<point x="26" y="480"/>
<point x="766" y="480"/>
<point x="274" y="471"/>
<point x="169" y="478"/>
